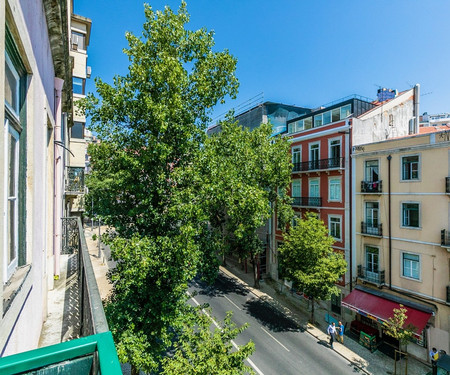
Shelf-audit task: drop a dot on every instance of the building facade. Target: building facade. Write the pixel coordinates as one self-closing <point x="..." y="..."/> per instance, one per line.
<point x="401" y="239"/>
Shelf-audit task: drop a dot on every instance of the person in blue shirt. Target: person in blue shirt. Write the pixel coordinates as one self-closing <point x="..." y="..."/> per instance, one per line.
<point x="340" y="330"/>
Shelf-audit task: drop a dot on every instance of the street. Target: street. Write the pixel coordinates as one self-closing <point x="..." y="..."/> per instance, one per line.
<point x="281" y="346"/>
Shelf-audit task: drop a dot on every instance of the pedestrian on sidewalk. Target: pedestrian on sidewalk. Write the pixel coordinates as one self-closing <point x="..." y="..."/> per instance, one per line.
<point x="340" y="331"/>
<point x="434" y="356"/>
<point x="331" y="330"/>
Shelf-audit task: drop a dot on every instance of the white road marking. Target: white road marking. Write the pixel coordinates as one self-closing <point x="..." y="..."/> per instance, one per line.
<point x="229" y="300"/>
<point x="250" y="362"/>
<point x="275" y="339"/>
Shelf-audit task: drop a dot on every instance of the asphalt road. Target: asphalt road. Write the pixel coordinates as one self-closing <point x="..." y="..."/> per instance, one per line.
<point x="281" y="346"/>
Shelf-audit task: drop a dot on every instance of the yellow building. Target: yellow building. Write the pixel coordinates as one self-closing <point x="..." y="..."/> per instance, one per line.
<point x="401" y="216"/>
<point x="80" y="31"/>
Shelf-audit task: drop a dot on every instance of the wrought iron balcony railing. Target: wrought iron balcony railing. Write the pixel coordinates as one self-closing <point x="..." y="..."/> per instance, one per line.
<point x="333" y="163"/>
<point x="371" y="186"/>
<point x="74" y="180"/>
<point x="370" y="229"/>
<point x="369" y="276"/>
<point x="307" y="201"/>
<point x="94" y="352"/>
<point x="445" y="238"/>
<point x="447" y="185"/>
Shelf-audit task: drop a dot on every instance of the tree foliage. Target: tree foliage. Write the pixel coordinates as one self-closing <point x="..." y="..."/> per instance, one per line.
<point x="193" y="349"/>
<point x="241" y="171"/>
<point x="396" y="326"/>
<point x="308" y="259"/>
<point x="151" y="122"/>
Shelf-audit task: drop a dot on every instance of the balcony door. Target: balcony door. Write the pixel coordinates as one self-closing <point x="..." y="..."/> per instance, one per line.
<point x="314" y="192"/>
<point x="314" y="154"/>
<point x="371" y="171"/>
<point x="372" y="264"/>
<point x="335" y="153"/>
<point x="372" y="212"/>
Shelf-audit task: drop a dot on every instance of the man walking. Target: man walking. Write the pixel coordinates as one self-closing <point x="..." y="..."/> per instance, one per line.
<point x="340" y="330"/>
<point x="331" y="330"/>
<point x="434" y="356"/>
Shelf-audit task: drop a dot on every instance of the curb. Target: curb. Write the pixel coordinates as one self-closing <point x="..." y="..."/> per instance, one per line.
<point x="257" y="293"/>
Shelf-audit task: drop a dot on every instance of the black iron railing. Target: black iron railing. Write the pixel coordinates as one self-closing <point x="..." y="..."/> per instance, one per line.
<point x="371" y="186"/>
<point x="321" y="164"/>
<point x="447" y="185"/>
<point x="445" y="238"/>
<point x="373" y="230"/>
<point x="368" y="275"/>
<point x="307" y="201"/>
<point x="74" y="180"/>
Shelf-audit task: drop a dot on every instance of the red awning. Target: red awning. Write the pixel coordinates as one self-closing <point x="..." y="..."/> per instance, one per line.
<point x="381" y="309"/>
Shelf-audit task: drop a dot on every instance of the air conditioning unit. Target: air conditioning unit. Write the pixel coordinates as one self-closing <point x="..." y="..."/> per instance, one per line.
<point x="88" y="72"/>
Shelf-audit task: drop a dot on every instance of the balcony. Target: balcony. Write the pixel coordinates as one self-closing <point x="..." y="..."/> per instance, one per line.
<point x="371" y="277"/>
<point x="447" y="185"/>
<point x="307" y="201"/>
<point x="322" y="164"/>
<point x="371" y="186"/>
<point x="445" y="238"/>
<point x="92" y="351"/>
<point x="74" y="182"/>
<point x="371" y="230"/>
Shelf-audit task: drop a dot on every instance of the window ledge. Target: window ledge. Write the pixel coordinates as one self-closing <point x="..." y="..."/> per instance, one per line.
<point x="14" y="285"/>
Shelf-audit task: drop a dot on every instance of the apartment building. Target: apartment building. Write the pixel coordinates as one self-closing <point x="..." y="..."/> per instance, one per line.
<point x="401" y="236"/>
<point x="322" y="145"/>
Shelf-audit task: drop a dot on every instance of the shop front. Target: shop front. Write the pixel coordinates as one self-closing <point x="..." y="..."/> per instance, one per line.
<point x="373" y="309"/>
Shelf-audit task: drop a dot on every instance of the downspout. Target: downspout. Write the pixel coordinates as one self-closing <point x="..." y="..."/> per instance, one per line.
<point x="57" y="178"/>
<point x="389" y="158"/>
<point x="350" y="162"/>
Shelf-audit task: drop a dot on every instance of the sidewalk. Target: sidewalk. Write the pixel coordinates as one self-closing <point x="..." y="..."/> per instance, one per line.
<point x="370" y="363"/>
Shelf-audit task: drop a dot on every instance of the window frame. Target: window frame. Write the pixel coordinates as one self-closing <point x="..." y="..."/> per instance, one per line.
<point x="402" y="176"/>
<point x="313" y="179"/>
<point x="83" y="126"/>
<point x="369" y="178"/>
<point x="419" y="261"/>
<point x="366" y="252"/>
<point x="14" y="111"/>
<point x="83" y="85"/>
<point x="419" y="209"/>
<point x="296" y="150"/>
<point x="299" y="182"/>
<point x="339" y="217"/>
<point x="330" y="146"/>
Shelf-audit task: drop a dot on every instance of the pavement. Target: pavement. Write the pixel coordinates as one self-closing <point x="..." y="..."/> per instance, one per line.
<point x="296" y="308"/>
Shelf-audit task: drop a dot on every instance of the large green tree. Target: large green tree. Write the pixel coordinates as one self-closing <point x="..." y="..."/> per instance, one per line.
<point x="308" y="260"/>
<point x="241" y="172"/>
<point x="151" y="122"/>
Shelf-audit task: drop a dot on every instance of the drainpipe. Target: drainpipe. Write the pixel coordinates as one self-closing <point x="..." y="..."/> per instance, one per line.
<point x="350" y="162"/>
<point x="389" y="158"/>
<point x="57" y="178"/>
<point x="416" y="108"/>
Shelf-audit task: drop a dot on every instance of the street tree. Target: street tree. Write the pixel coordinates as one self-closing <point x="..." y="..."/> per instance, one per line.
<point x="241" y="172"/>
<point x="152" y="124"/>
<point x="309" y="261"/>
<point x="192" y="351"/>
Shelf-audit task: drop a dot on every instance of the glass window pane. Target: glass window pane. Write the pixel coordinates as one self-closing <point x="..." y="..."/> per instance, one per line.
<point x="78" y="40"/>
<point x="12" y="166"/>
<point x="78" y="85"/>
<point x="335" y="114"/>
<point x="317" y="120"/>
<point x="11" y="86"/>
<point x="299" y="125"/>
<point x="346" y="111"/>
<point x="308" y="122"/>
<point x="12" y="249"/>
<point x="326" y="118"/>
<point x="77" y="130"/>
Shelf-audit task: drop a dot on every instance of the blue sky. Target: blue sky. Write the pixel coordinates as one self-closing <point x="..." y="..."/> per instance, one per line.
<point x="301" y="52"/>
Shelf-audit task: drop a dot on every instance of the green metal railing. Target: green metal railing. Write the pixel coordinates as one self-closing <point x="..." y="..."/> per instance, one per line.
<point x="94" y="352"/>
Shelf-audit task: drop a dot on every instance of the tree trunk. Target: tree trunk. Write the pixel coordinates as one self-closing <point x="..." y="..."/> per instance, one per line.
<point x="312" y="310"/>
<point x="134" y="370"/>
<point x="255" y="273"/>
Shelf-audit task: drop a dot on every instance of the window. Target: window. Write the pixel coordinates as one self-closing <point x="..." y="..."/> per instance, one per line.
<point x="410" y="167"/>
<point x="411" y="266"/>
<point x="314" y="153"/>
<point x="371" y="215"/>
<point x="410" y="215"/>
<point x="326" y="117"/>
<point x="317" y="121"/>
<point x="78" y="40"/>
<point x="335" y="150"/>
<point x="334" y="227"/>
<point x="336" y="303"/>
<point x="296" y="188"/>
<point x="11" y="86"/>
<point x="372" y="259"/>
<point x="308" y="122"/>
<point x="78" y="85"/>
<point x="391" y="120"/>
<point x="295" y="220"/>
<point x="334" y="192"/>
<point x="346" y="111"/>
<point x="296" y="155"/>
<point x="371" y="171"/>
<point x="314" y="188"/>
<point x="77" y="130"/>
<point x="335" y="114"/>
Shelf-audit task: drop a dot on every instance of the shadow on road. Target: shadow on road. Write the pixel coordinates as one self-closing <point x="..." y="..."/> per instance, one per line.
<point x="223" y="285"/>
<point x="270" y="317"/>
